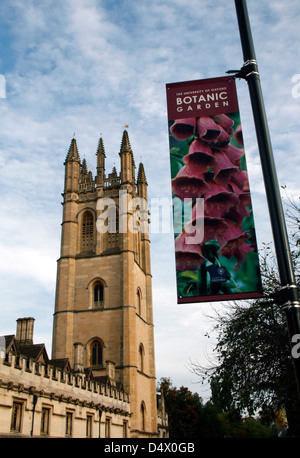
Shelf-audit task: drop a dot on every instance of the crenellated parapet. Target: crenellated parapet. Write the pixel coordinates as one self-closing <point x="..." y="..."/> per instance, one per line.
<point x="43" y="388"/>
<point x="37" y="371"/>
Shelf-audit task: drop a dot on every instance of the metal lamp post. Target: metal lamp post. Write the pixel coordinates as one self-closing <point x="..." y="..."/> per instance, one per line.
<point x="289" y="293"/>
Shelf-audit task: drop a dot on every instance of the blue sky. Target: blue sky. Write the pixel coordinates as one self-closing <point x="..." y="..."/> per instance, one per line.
<point x="92" y="66"/>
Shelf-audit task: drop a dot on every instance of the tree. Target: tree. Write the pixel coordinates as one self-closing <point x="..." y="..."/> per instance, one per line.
<point x="254" y="370"/>
<point x="188" y="417"/>
<point x="292" y="214"/>
<point x="248" y="427"/>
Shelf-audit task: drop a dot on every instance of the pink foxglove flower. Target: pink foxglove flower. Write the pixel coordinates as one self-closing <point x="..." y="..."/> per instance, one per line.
<point x="202" y="157"/>
<point x="219" y="201"/>
<point x="189" y="182"/>
<point x="238" y="248"/>
<point x="223" y="139"/>
<point x="214" y="227"/>
<point x="223" y="120"/>
<point x="207" y="129"/>
<point x="183" y="129"/>
<point x="233" y="153"/>
<point x="200" y="147"/>
<point x="188" y="256"/>
<point x="212" y="170"/>
<point x="233" y="243"/>
<point x="241" y="180"/>
<point x="238" y="135"/>
<point x="226" y="168"/>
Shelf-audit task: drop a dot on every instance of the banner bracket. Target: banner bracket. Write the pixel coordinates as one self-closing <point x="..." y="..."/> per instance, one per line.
<point x="248" y="69"/>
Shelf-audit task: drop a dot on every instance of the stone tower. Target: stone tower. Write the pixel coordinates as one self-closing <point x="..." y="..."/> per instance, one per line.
<point x="103" y="320"/>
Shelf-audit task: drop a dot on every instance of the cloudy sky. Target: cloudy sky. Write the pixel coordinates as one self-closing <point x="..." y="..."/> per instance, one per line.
<point x="90" y="67"/>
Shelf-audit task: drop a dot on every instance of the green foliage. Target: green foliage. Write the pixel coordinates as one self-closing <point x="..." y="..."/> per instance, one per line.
<point x="191" y="419"/>
<point x="188" y="417"/>
<point x="245" y="428"/>
<point x="254" y="372"/>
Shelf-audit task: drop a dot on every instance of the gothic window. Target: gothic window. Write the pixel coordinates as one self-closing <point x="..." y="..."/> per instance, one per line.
<point x="112" y="226"/>
<point x="45" y="420"/>
<point x="141" y="357"/>
<point x="96" y="353"/>
<point x="139" y="301"/>
<point x="107" y="427"/>
<point x="125" y="428"/>
<point x="16" y="417"/>
<point x="69" y="423"/>
<point x="87" y="234"/>
<point x="98" y="295"/>
<point x="143" y="416"/>
<point x="89" y="425"/>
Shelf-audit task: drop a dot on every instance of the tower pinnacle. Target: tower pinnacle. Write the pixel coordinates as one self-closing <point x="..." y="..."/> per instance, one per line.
<point x="125" y="145"/>
<point x="127" y="161"/>
<point x="100" y="149"/>
<point x="73" y="154"/>
<point x="141" y="178"/>
<point x="100" y="163"/>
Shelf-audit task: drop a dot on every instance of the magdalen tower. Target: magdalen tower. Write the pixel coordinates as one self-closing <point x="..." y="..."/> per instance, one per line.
<point x="103" y="319"/>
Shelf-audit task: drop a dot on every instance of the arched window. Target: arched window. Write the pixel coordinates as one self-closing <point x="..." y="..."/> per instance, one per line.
<point x="143" y="416"/>
<point x="87" y="233"/>
<point x="96" y="353"/>
<point x="141" y="357"/>
<point x="139" y="301"/>
<point x="112" y="226"/>
<point x="98" y="295"/>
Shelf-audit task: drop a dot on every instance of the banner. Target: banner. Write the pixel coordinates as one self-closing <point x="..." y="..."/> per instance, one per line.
<point x="215" y="243"/>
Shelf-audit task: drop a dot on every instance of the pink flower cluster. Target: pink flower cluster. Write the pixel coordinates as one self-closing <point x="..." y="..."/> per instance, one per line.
<point x="212" y="170"/>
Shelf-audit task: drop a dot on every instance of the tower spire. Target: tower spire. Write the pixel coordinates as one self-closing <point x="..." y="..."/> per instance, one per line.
<point x="73" y="154"/>
<point x="72" y="167"/>
<point x="141" y="178"/>
<point x="125" y="145"/>
<point x="100" y="149"/>
<point x="142" y="182"/>
<point x="84" y="167"/>
<point x="127" y="161"/>
<point x="100" y="163"/>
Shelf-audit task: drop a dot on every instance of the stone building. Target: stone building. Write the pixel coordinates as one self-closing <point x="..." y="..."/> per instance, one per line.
<point x="100" y="381"/>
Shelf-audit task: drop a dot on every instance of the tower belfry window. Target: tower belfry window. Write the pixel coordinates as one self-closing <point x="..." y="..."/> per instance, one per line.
<point x="96" y="353"/>
<point x="141" y="357"/>
<point x="143" y="416"/>
<point x="139" y="301"/>
<point x="98" y="295"/>
<point x="87" y="234"/>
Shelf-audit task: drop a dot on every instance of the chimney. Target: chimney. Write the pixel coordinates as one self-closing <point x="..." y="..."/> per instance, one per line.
<point x="78" y="357"/>
<point x="24" y="334"/>
<point x="110" y="372"/>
